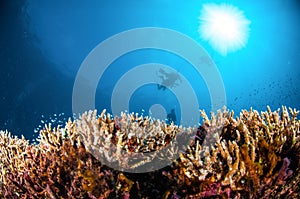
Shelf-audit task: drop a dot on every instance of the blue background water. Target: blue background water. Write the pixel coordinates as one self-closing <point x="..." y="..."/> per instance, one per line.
<point x="43" y="44"/>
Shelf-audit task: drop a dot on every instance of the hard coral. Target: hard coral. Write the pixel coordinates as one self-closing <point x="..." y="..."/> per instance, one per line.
<point x="58" y="167"/>
<point x="131" y="143"/>
<point x="62" y="165"/>
<point x="250" y="156"/>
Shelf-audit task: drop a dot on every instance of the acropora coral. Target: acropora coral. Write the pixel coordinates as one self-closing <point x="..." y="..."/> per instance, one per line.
<point x="254" y="155"/>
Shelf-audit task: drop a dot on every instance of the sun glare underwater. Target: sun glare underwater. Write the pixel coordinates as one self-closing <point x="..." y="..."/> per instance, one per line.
<point x="224" y="26"/>
<point x="167" y="99"/>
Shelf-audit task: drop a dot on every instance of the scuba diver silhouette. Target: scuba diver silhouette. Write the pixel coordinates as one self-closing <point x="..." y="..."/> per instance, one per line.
<point x="171" y="117"/>
<point x="169" y="79"/>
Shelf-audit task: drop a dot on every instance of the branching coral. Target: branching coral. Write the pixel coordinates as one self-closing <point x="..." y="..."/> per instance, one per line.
<point x="58" y="167"/>
<point x="255" y="155"/>
<point x="13" y="155"/>
<point x="130" y="142"/>
<point x="63" y="164"/>
<point x="251" y="156"/>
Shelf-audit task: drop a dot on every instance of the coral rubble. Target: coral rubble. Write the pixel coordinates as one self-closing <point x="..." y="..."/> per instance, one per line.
<point x="96" y="156"/>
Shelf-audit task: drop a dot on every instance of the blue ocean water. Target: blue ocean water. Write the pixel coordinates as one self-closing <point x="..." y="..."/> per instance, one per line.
<point x="44" y="43"/>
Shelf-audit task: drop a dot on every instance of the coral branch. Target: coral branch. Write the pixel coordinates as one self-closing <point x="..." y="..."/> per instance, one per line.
<point x="255" y="155"/>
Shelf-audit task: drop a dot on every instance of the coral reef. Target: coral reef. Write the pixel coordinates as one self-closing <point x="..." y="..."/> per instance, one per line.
<point x="251" y="156"/>
<point x="58" y="167"/>
<point x="62" y="165"/>
<point x="132" y="143"/>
